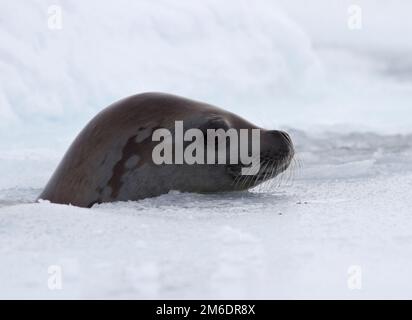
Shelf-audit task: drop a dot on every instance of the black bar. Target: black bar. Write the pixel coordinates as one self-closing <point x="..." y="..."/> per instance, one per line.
<point x="203" y="309"/>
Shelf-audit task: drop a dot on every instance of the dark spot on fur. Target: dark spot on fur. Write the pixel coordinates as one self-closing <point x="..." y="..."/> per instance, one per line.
<point x="142" y="149"/>
<point x="119" y="169"/>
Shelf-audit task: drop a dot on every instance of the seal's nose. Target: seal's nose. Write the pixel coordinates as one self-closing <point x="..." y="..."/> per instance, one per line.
<point x="283" y="141"/>
<point x="286" y="136"/>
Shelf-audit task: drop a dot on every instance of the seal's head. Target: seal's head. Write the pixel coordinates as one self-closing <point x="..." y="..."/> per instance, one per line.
<point x="269" y="153"/>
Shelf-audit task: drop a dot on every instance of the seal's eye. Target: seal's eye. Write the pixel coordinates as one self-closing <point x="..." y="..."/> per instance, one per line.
<point x="215" y="131"/>
<point x="215" y="123"/>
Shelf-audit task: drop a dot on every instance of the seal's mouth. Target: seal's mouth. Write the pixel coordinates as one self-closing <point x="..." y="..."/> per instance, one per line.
<point x="270" y="166"/>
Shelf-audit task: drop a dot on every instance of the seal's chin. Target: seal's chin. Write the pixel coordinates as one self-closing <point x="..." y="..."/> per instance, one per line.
<point x="270" y="167"/>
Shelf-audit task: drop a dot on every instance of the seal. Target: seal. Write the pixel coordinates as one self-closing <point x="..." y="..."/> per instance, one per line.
<point x="111" y="158"/>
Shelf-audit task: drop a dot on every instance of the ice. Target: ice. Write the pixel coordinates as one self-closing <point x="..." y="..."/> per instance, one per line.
<point x="348" y="204"/>
<point x="343" y="95"/>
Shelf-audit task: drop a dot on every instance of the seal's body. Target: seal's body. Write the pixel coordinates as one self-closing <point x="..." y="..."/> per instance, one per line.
<point x="111" y="158"/>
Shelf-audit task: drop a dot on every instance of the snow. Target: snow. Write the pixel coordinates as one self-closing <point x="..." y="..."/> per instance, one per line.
<point x="348" y="205"/>
<point x="344" y="96"/>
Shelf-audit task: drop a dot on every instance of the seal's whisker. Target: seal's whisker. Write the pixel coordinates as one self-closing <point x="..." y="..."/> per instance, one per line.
<point x="241" y="179"/>
<point x="250" y="178"/>
<point x="270" y="183"/>
<point x="255" y="178"/>
<point x="271" y="174"/>
<point x="259" y="175"/>
<point x="246" y="178"/>
<point x="289" y="173"/>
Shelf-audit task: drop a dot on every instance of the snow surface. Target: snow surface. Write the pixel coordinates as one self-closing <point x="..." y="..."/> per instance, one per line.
<point x="344" y="96"/>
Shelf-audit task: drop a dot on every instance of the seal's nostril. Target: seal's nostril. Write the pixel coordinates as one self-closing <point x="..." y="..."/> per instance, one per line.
<point x="283" y="134"/>
<point x="286" y="136"/>
<point x="282" y="141"/>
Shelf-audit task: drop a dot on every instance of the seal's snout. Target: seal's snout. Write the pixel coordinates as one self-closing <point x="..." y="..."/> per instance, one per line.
<point x="282" y="142"/>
